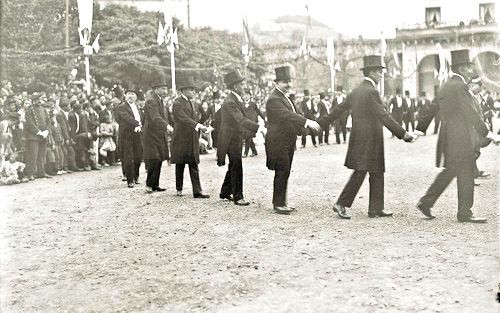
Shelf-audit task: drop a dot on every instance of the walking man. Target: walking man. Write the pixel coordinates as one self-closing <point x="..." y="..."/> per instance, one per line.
<point x="365" y="153"/>
<point x="455" y="147"/>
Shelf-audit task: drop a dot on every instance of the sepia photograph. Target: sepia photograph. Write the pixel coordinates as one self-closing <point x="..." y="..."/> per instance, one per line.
<point x="249" y="156"/>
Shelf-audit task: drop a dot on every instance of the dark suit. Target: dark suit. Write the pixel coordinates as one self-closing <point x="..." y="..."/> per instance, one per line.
<point x="409" y="109"/>
<point x="252" y="112"/>
<point x="155" y="149"/>
<point x="37" y="119"/>
<point x="396" y="109"/>
<point x="130" y="141"/>
<point x="186" y="143"/>
<point x="340" y="124"/>
<point x="455" y="147"/>
<point x="323" y="111"/>
<point x="366" y="144"/>
<point x="67" y="146"/>
<point x="234" y="124"/>
<point x="309" y="113"/>
<point x="284" y="124"/>
<point x="79" y="131"/>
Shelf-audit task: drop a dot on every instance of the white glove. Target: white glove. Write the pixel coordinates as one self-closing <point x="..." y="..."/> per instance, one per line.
<point x="170" y="129"/>
<point x="493" y="137"/>
<point x="312" y="124"/>
<point x="418" y="133"/>
<point x="200" y="126"/>
<point x="137" y="129"/>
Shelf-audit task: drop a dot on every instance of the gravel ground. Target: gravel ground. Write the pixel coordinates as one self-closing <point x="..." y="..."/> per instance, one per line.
<point x="83" y="242"/>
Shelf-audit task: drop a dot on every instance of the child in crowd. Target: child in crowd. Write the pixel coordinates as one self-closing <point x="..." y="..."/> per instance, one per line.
<point x="108" y="146"/>
<point x="11" y="171"/>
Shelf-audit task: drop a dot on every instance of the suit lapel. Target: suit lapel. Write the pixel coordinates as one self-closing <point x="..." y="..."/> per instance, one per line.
<point x="240" y="104"/>
<point x="289" y="103"/>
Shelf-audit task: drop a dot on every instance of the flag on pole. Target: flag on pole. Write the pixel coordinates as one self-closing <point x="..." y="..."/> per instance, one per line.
<point x="173" y="41"/>
<point x="160" y="39"/>
<point x="246" y="50"/>
<point x="303" y="51"/>
<point x="95" y="45"/>
<point x="85" y="12"/>
<point x="443" y="70"/>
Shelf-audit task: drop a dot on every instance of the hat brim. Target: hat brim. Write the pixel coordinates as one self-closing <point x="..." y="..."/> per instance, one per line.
<point x="133" y="91"/>
<point x="374" y="67"/>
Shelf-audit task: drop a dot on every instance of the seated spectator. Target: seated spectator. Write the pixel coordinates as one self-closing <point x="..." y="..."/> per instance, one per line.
<point x="11" y="170"/>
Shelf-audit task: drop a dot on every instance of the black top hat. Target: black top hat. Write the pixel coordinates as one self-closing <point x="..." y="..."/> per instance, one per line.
<point x="339" y="88"/>
<point x="407" y="93"/>
<point x="131" y="90"/>
<point x="233" y="77"/>
<point x="283" y="73"/>
<point x="159" y="82"/>
<point x="307" y="93"/>
<point x="460" y="57"/>
<point x="372" y="61"/>
<point x="423" y="94"/>
<point x="183" y="81"/>
<point x="216" y="95"/>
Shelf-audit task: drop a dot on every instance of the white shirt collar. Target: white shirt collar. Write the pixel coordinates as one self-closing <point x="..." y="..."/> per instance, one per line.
<point x="458" y="75"/>
<point x="284" y="93"/>
<point x="185" y="98"/>
<point x="237" y="96"/>
<point x="371" y="81"/>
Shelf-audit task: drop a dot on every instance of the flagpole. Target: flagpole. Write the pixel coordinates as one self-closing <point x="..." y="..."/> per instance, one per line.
<point x="87" y="74"/>
<point x="172" y="66"/>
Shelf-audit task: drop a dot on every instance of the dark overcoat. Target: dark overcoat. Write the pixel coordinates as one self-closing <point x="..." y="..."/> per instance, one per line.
<point x="154" y="130"/>
<point x="185" y="139"/>
<point x="126" y="128"/>
<point x="459" y="122"/>
<point x="369" y="116"/>
<point x="284" y="124"/>
<point x="234" y="124"/>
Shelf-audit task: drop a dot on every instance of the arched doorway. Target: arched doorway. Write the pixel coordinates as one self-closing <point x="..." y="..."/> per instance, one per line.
<point x="488" y="66"/>
<point x="428" y="68"/>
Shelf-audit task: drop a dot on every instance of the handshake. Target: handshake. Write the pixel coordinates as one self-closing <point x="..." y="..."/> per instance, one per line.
<point x="313" y="125"/>
<point x="412" y="136"/>
<point x="43" y="133"/>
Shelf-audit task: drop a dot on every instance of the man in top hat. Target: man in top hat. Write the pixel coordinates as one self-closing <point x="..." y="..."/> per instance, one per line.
<point x="284" y="124"/>
<point x="234" y="124"/>
<point x="186" y="139"/>
<point x="340" y="124"/>
<point x="130" y="128"/>
<point x="423" y="103"/>
<point x="409" y="109"/>
<point x="155" y="128"/>
<point x="309" y="113"/>
<point x="365" y="153"/>
<point x="36" y="132"/>
<point x="455" y="147"/>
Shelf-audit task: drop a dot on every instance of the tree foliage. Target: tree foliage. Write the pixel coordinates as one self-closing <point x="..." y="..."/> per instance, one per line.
<point x="39" y="25"/>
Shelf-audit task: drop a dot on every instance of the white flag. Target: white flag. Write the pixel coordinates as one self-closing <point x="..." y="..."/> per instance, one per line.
<point x="160" y="39"/>
<point x="85" y="12"/>
<point x="95" y="45"/>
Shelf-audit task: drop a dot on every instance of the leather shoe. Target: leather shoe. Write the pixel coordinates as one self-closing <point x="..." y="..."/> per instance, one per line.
<point x="179" y="193"/>
<point x="472" y="219"/>
<point x="425" y="211"/>
<point x="136" y="182"/>
<point x="241" y="202"/>
<point x="283" y="210"/>
<point x="483" y="174"/>
<point x="130" y="185"/>
<point x="201" y="196"/>
<point x="44" y="175"/>
<point x="149" y="190"/>
<point x="341" y="211"/>
<point x="476" y="184"/>
<point x="228" y="197"/>
<point x="158" y="189"/>
<point x="379" y="214"/>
